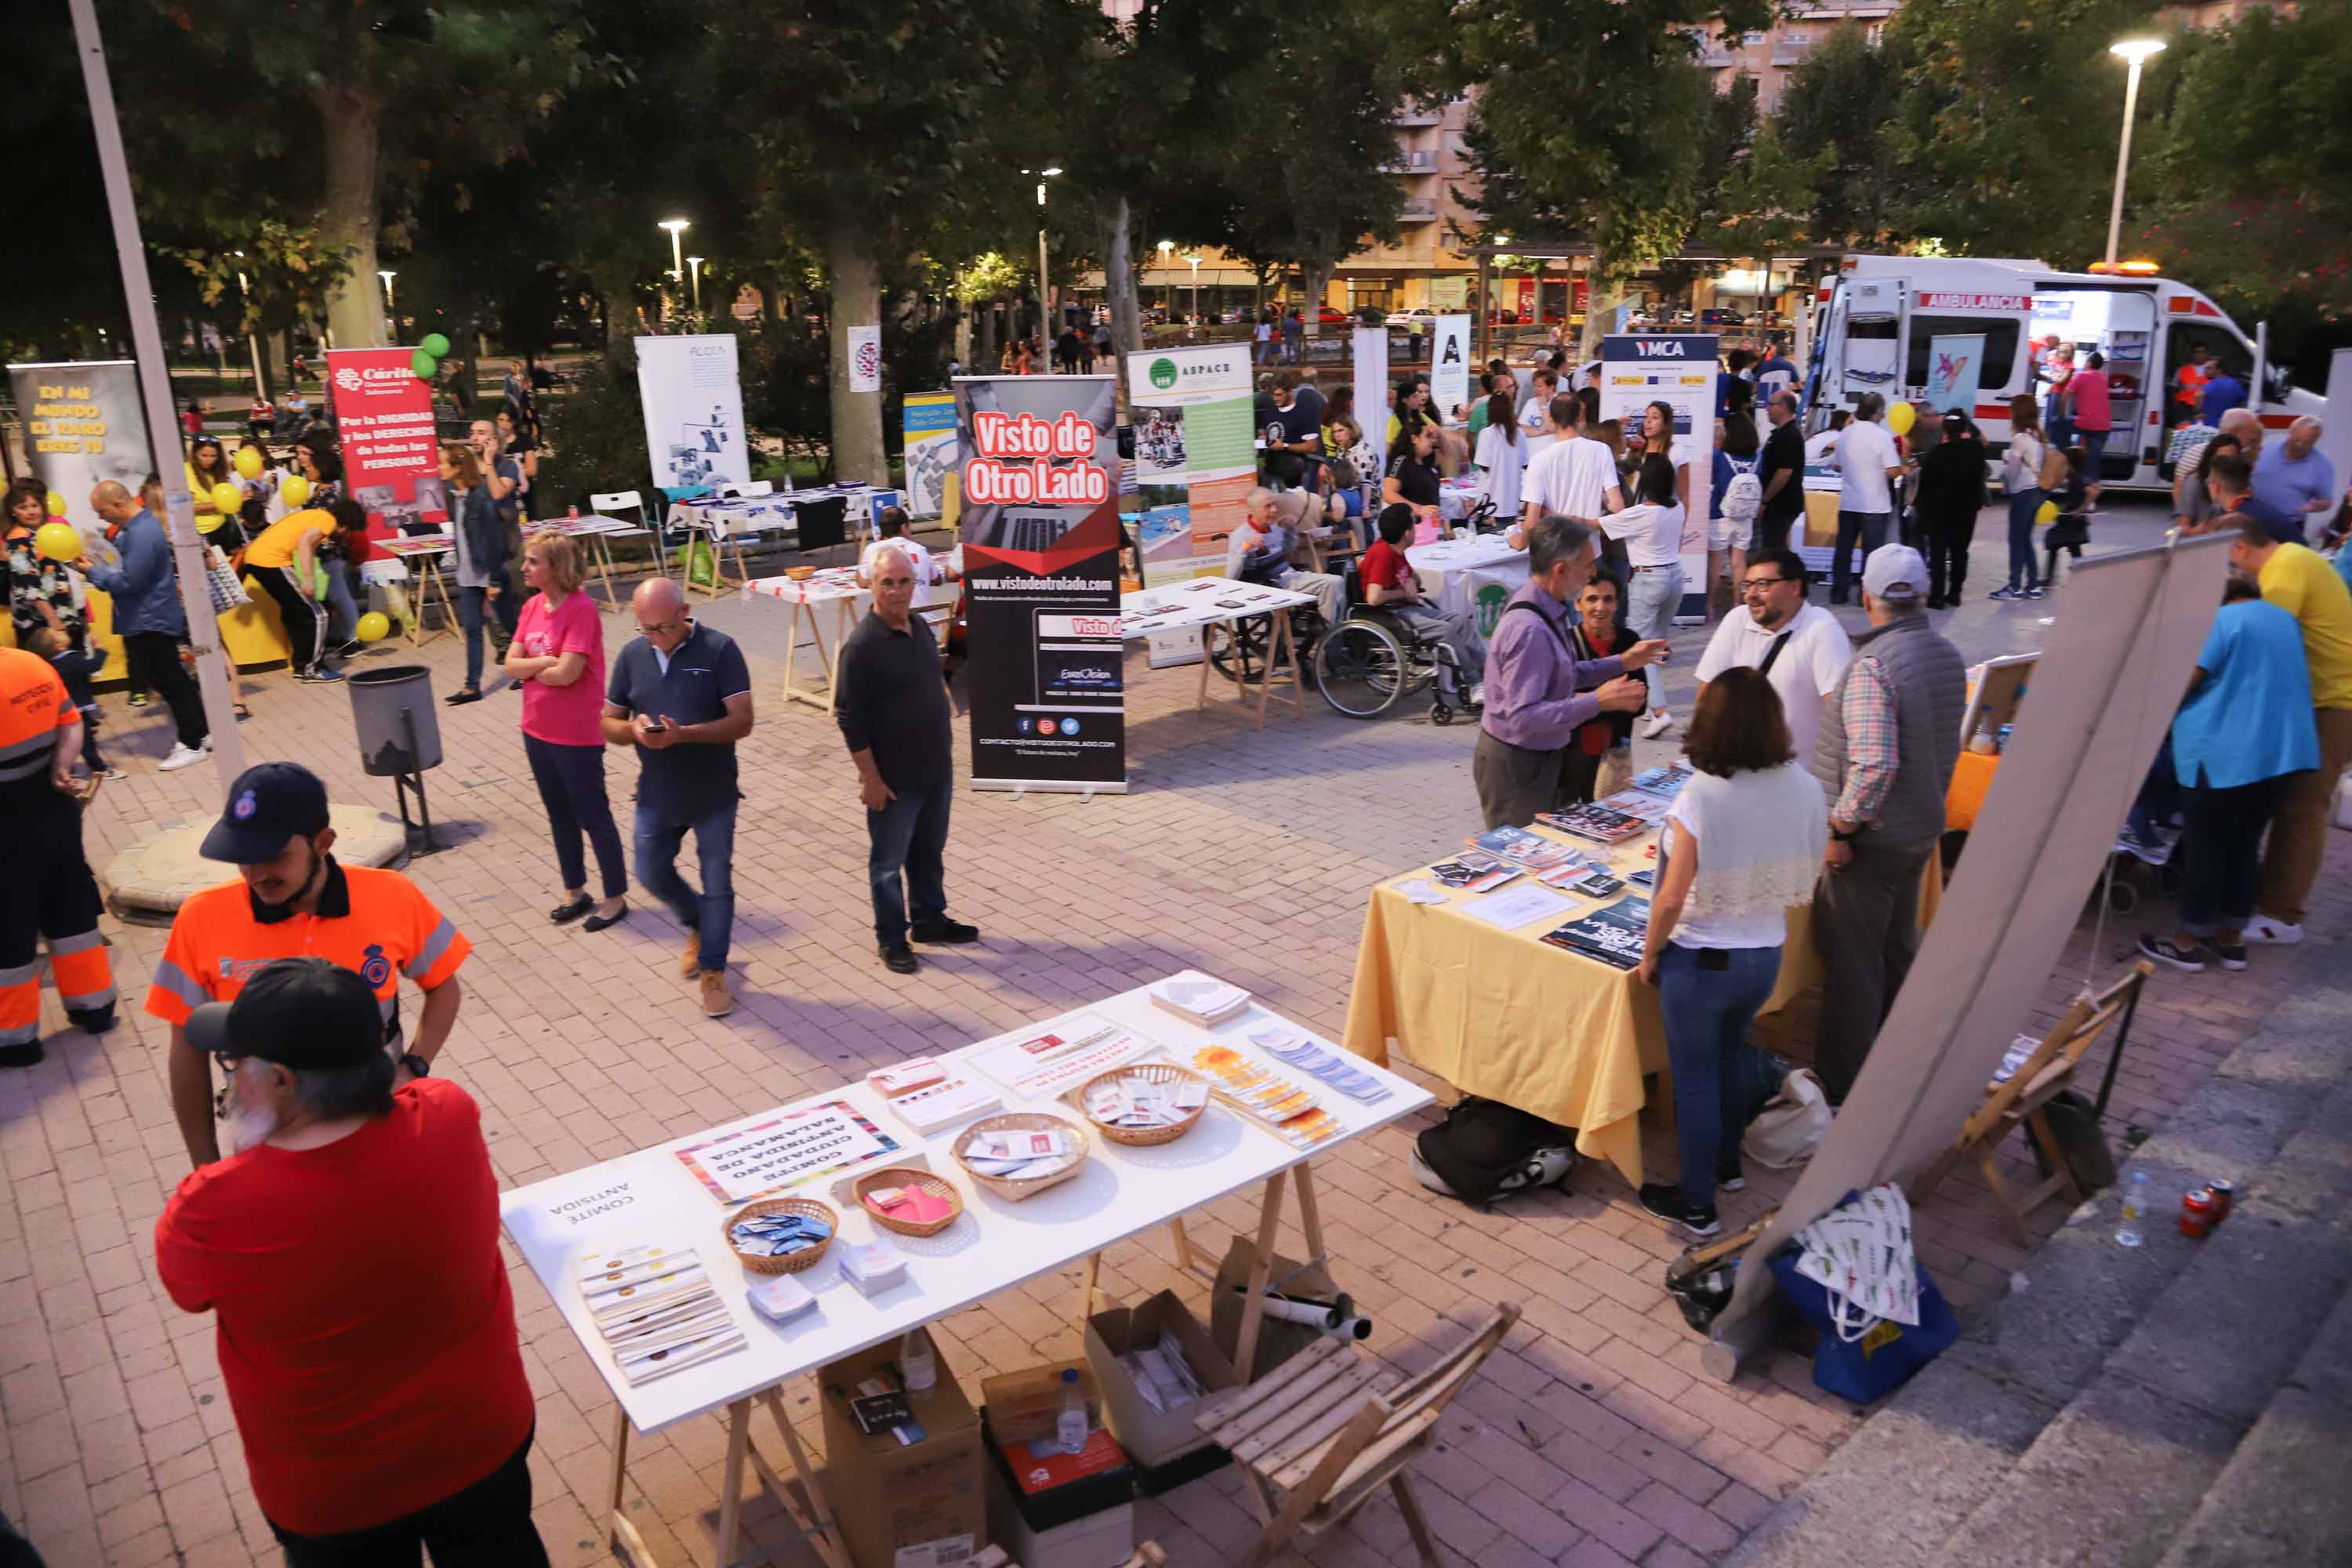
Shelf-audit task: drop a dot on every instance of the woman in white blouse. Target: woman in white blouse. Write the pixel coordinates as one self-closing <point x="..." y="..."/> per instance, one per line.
<point x="1652" y="530"/>
<point x="1741" y="845"/>
<point x="1502" y="456"/>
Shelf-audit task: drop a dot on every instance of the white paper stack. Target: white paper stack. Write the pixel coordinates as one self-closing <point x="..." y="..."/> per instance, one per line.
<point x="954" y="1098"/>
<point x="1140" y="1102"/>
<point x="1020" y="1153"/>
<point x="1162" y="1375"/>
<point x="656" y="1311"/>
<point x="1198" y="998"/>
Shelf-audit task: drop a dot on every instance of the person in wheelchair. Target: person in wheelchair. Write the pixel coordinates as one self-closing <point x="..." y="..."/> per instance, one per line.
<point x="1392" y="588"/>
<point x="1270" y="547"/>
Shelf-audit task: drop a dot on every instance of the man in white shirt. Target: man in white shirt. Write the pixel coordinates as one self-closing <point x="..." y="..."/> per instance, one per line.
<point x="1822" y="445"/>
<point x="1867" y="468"/>
<point x="1800" y="647"/>
<point x="891" y="530"/>
<point x="1575" y="477"/>
<point x="1271" y="525"/>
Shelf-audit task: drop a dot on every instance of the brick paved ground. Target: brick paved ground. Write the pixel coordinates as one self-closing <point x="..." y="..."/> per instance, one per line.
<point x="1593" y="1440"/>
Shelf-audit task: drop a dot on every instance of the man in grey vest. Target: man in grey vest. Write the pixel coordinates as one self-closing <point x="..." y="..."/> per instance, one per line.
<point x="1890" y="737"/>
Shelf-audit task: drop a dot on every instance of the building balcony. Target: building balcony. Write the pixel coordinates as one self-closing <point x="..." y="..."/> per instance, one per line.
<point x="1714" y="56"/>
<point x="1792" y="52"/>
<point x="1417" y="210"/>
<point x="1409" y="161"/>
<point x="1409" y="115"/>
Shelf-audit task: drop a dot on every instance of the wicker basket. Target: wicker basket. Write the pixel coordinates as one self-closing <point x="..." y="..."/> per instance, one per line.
<point x="905" y="1176"/>
<point x="1142" y="1137"/>
<point x="1022" y="1121"/>
<point x="789" y="1263"/>
<point x="800" y="573"/>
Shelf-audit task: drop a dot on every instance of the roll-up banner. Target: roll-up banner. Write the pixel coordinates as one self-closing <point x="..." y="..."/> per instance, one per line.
<point x="1371" y="382"/>
<point x="1194" y="463"/>
<point x="391" y="450"/>
<point x="1677" y="370"/>
<point x="1449" y="367"/>
<point x="694" y="412"/>
<point x="928" y="421"/>
<point x="83" y="426"/>
<point x="1037" y="469"/>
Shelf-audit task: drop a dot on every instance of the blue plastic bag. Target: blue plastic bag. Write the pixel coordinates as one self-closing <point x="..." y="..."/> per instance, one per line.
<point x="1886" y="1355"/>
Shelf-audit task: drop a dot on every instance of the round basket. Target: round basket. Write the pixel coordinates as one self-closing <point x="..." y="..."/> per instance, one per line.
<point x="1161" y="1073"/>
<point x="790" y="1263"/>
<point x="907" y="1177"/>
<point x="800" y="573"/>
<point x="1022" y="1121"/>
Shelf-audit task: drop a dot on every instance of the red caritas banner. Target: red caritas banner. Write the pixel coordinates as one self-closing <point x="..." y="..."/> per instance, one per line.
<point x="390" y="450"/>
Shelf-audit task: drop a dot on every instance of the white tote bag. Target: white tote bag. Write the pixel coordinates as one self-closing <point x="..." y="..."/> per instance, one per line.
<point x="1859" y="1253"/>
<point x="1791" y="1126"/>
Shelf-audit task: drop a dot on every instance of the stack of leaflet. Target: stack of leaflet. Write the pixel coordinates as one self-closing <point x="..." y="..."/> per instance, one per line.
<point x="1020" y="1153"/>
<point x="952" y="1100"/>
<point x="1520" y="847"/>
<point x="1601" y="824"/>
<point x="1290" y="1111"/>
<point x="1198" y="998"/>
<point x="1288" y="1046"/>
<point x="1650" y="808"/>
<point x="1474" y="871"/>
<point x="1663" y="783"/>
<point x="1614" y="934"/>
<point x="1162" y="1375"/>
<point x="656" y="1311"/>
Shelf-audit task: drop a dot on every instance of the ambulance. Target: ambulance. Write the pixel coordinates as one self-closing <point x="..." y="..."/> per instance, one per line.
<point x="1935" y="330"/>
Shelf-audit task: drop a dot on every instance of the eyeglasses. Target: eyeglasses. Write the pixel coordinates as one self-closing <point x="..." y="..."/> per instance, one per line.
<point x="669" y="626"/>
<point x="1757" y="584"/>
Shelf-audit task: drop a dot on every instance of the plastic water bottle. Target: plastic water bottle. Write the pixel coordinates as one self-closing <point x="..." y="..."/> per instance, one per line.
<point x="917" y="1366"/>
<point x="2134" y="1210"/>
<point x="1070" y="1427"/>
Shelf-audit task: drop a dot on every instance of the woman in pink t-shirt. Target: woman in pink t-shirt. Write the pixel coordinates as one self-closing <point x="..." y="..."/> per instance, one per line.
<point x="558" y="659"/>
<point x="2090" y="400"/>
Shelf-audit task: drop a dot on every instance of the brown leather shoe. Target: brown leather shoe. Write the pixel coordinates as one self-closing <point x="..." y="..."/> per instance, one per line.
<point x="690" y="965"/>
<point x="716" y="1002"/>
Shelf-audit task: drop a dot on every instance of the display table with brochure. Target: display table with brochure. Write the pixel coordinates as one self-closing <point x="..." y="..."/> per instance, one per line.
<point x="1474" y="576"/>
<point x="1280" y="1097"/>
<point x="834" y="587"/>
<point x="1202" y="602"/>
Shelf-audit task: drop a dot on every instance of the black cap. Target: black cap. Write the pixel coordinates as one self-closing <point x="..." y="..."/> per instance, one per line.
<point x="270" y="803"/>
<point x="305" y="1012"/>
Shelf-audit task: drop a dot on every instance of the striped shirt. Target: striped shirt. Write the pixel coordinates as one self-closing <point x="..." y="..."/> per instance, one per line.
<point x="1870" y="746"/>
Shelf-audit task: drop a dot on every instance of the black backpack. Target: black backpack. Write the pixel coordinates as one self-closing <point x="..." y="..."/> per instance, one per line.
<point x="1485" y="1148"/>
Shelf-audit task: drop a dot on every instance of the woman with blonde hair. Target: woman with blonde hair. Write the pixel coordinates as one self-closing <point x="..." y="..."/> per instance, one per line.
<point x="482" y="547"/>
<point x="558" y="659"/>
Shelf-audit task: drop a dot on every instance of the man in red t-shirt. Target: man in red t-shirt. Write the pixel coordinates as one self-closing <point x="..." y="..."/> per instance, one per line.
<point x="1389" y="582"/>
<point x="349" y="1250"/>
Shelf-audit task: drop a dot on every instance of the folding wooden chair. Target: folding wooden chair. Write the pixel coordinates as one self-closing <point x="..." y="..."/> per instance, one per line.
<point x="2019" y="1101"/>
<point x="1325" y="1429"/>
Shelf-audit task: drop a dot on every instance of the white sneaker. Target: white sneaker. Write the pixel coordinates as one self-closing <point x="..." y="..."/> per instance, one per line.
<point x="1656" y="724"/>
<point x="181" y="757"/>
<point x="2261" y="928"/>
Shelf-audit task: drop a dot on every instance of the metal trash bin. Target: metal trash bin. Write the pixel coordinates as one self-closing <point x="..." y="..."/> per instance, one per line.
<point x="392" y="710"/>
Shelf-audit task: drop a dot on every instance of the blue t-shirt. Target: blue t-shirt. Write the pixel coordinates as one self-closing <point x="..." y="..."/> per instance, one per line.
<point x="2250" y="718"/>
<point x="1775" y="375"/>
<point x="683" y="785"/>
<point x="2223" y="393"/>
<point x="2283" y="486"/>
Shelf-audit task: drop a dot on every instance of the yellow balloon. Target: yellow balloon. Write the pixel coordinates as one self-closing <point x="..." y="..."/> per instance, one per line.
<point x="59" y="540"/>
<point x="296" y="490"/>
<point x="2049" y="512"/>
<point x="375" y="625"/>
<point x="227" y="500"/>
<point x="249" y="462"/>
<point x="1900" y="419"/>
<point x="57" y="504"/>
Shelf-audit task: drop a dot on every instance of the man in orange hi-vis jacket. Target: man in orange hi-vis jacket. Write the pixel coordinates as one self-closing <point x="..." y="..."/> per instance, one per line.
<point x="48" y="893"/>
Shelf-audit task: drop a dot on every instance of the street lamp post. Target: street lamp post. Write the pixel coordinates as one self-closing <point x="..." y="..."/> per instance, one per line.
<point x="1044" y="321"/>
<point x="391" y="317"/>
<point x="252" y="338"/>
<point x="2135" y="53"/>
<point x="1168" y="298"/>
<point x="676" y="226"/>
<point x="694" y="271"/>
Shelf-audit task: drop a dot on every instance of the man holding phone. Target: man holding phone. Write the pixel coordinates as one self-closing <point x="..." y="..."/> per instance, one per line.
<point x="681" y="695"/>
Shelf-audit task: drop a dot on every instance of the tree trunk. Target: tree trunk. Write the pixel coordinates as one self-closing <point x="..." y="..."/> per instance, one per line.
<point x="347" y="220"/>
<point x="982" y="360"/>
<point x="856" y="278"/>
<point x="767" y="286"/>
<point x="620" y="342"/>
<point x="1600" y="298"/>
<point x="273" y="360"/>
<point x="1318" y="274"/>
<point x="1119" y="278"/>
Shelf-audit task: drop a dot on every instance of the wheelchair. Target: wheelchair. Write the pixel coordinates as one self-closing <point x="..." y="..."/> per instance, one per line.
<point x="1373" y="659"/>
<point x="1242" y="650"/>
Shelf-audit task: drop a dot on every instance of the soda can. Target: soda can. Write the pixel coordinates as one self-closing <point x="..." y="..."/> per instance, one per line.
<point x="2197" y="1216"/>
<point x="2223" y="1192"/>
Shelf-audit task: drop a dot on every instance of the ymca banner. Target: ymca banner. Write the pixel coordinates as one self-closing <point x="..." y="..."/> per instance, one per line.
<point x="392" y="449"/>
<point x="1194" y="460"/>
<point x="694" y="412"/>
<point x="928" y="419"/>
<point x="83" y="426"/>
<point x="1037" y="469"/>
<point x="1677" y="370"/>
<point x="1449" y="367"/>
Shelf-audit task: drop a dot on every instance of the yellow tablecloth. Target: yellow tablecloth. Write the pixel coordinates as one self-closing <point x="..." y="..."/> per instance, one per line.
<point x="1504" y="1015"/>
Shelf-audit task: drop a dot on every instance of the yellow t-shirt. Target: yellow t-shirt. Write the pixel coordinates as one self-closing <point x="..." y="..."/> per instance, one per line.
<point x="208" y="518"/>
<point x="2302" y="584"/>
<point x="274" y="545"/>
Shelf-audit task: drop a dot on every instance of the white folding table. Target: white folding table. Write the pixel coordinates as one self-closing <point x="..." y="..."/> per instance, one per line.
<point x="649" y="1197"/>
<point x="422" y="553"/>
<point x="837" y="586"/>
<point x="1204" y="602"/>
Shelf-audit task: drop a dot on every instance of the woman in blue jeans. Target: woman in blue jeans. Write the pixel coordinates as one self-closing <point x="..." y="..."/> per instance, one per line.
<point x="482" y="580"/>
<point x="1742" y="843"/>
<point x="2021" y="475"/>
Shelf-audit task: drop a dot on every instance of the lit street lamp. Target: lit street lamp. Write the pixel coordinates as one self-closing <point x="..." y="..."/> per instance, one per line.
<point x="2135" y="53"/>
<point x="695" y="264"/>
<point x="677" y="225"/>
<point x="1044" y="322"/>
<point x="252" y="338"/>
<point x="1195" y="260"/>
<point x="1167" y="302"/>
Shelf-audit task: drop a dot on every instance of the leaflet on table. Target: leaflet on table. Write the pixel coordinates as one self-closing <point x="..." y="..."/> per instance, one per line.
<point x="1600" y="823"/>
<point x="1059" y="1057"/>
<point x="1284" y="1108"/>
<point x="756" y="1157"/>
<point x="1521" y="847"/>
<point x="656" y="1310"/>
<point x="1308" y="1055"/>
<point x="1650" y="808"/>
<point x="1666" y="782"/>
<point x="1615" y="934"/>
<point x="1521" y="906"/>
<point x="1473" y="870"/>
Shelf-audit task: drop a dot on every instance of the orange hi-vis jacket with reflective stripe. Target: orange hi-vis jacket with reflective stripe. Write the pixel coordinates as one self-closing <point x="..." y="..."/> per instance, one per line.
<point x="37" y="717"/>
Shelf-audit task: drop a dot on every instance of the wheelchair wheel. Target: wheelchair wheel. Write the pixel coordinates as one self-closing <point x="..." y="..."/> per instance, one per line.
<point x="1238" y="651"/>
<point x="1440" y="714"/>
<point x="1361" y="669"/>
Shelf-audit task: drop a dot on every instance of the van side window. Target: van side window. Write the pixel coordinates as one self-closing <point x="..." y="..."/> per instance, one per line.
<point x="2000" y="348"/>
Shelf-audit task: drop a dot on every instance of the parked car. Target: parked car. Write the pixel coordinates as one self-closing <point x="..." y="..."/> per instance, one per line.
<point x="1720" y="316"/>
<point x="1330" y="316"/>
<point x="1419" y="316"/>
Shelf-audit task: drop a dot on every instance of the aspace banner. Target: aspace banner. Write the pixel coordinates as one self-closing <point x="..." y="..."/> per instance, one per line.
<point x="384" y="415"/>
<point x="694" y="412"/>
<point x="82" y="426"/>
<point x="1037" y="468"/>
<point x="1677" y="370"/>
<point x="1194" y="460"/>
<point x="929" y="420"/>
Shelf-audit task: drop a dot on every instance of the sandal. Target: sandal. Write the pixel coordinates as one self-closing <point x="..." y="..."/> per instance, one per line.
<point x="243" y="712"/>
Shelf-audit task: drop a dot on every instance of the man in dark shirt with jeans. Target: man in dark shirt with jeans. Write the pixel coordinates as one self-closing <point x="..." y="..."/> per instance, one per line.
<point x="682" y="696"/>
<point x="892" y="703"/>
<point x="1782" y="474"/>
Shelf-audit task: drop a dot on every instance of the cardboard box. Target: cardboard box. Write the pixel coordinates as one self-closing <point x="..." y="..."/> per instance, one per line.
<point x="1152" y="1437"/>
<point x="1023" y="1406"/>
<point x="892" y="1498"/>
<point x="1101" y="1539"/>
<point x="1278" y="1341"/>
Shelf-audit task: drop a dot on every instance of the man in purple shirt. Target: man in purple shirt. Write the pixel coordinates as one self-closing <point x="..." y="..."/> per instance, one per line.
<point x="1538" y="692"/>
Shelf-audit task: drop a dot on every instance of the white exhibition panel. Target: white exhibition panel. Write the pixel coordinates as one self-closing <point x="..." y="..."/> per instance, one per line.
<point x="2128" y="629"/>
<point x="650" y="1197"/>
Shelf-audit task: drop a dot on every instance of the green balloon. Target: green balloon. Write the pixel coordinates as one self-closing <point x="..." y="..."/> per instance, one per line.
<point x="437" y="345"/>
<point x="424" y="363"/>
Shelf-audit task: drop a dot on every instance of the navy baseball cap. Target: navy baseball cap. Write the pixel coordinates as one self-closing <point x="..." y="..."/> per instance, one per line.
<point x="303" y="1013"/>
<point x="270" y="803"/>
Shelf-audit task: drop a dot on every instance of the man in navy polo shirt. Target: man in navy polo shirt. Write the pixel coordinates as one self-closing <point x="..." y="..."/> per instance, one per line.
<point x="682" y="696"/>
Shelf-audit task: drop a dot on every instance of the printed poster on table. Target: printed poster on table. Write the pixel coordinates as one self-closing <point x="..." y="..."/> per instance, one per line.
<point x="1037" y="467"/>
<point x="1194" y="457"/>
<point x="694" y="412"/>
<point x="755" y="1157"/>
<point x="1955" y="365"/>
<point x="83" y="425"/>
<point x="928" y="421"/>
<point x="1677" y="370"/>
<point x="1449" y="366"/>
<point x="391" y="450"/>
